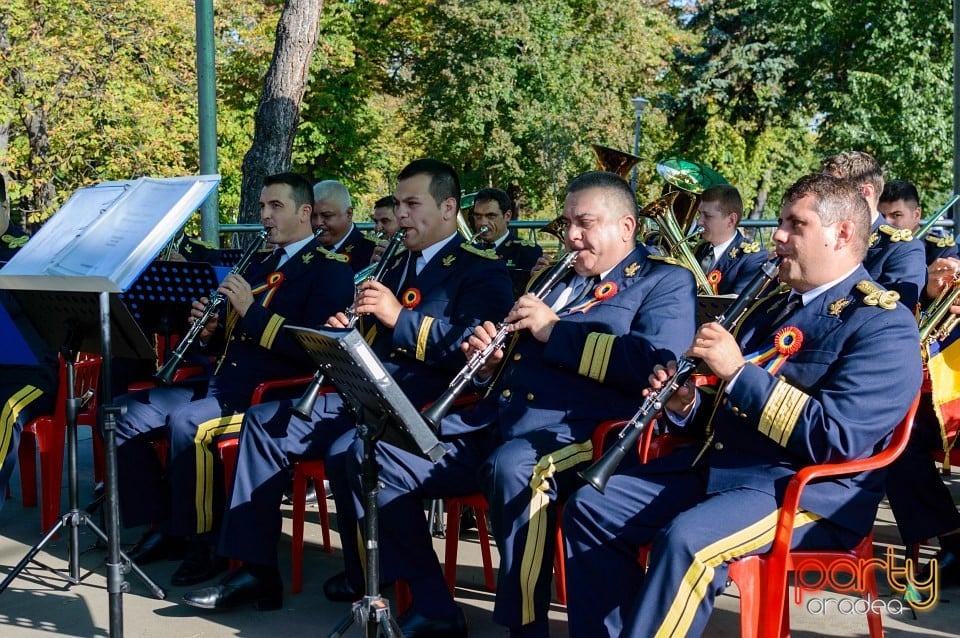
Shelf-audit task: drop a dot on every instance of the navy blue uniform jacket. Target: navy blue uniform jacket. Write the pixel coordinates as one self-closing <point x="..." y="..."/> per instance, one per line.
<point x="460" y="287"/>
<point x="598" y="358"/>
<point x="737" y="265"/>
<point x="938" y="246"/>
<point x="357" y="249"/>
<point x="837" y="398"/>
<point x="896" y="262"/>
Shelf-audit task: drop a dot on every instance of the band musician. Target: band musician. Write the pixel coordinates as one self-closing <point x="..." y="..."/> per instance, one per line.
<point x="727" y="258"/>
<point x="299" y="283"/>
<point x="333" y="212"/>
<point x="578" y="357"/>
<point x="493" y="209"/>
<point x="784" y="403"/>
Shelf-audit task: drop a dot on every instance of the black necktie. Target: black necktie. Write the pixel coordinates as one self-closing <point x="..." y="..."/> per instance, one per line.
<point x="582" y="286"/>
<point x="706" y="262"/>
<point x="794" y="302"/>
<point x="271" y="263"/>
<point x="487" y="245"/>
<point x="411" y="274"/>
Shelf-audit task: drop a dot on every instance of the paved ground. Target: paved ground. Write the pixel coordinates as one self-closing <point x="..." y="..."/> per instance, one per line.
<point x="37" y="603"/>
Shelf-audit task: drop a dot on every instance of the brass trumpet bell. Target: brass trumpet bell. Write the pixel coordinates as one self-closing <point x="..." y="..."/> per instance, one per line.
<point x="688" y="179"/>
<point x="674" y="238"/>
<point x="613" y="161"/>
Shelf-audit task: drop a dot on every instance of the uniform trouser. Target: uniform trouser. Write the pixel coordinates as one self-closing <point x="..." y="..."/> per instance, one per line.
<point x="523" y="481"/>
<point x="694" y="535"/>
<point x="406" y="480"/>
<point x="271" y="439"/>
<point x="20" y="403"/>
<point x="920" y="501"/>
<point x="193" y="474"/>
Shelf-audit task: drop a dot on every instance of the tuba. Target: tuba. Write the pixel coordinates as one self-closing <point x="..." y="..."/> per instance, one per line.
<point x="613" y="161"/>
<point x="463" y="224"/>
<point x="688" y="179"/>
<point x="661" y="211"/>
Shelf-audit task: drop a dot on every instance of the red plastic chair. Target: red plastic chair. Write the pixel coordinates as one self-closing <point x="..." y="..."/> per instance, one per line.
<point x="46" y="435"/>
<point x="762" y="579"/>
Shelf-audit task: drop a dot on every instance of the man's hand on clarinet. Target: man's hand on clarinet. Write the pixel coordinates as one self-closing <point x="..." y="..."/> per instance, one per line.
<point x="482" y="337"/>
<point x="683" y="399"/>
<point x="718" y="349"/>
<point x="196" y="312"/>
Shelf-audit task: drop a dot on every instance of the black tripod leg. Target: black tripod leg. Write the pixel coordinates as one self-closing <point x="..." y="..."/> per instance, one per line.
<point x="127" y="563"/>
<point x="31" y="554"/>
<point x="342" y="627"/>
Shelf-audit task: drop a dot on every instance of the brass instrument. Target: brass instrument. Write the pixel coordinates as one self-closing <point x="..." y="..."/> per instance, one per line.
<point x="435" y="413"/>
<point x="613" y="161"/>
<point x="216" y="299"/>
<point x="924" y="230"/>
<point x="689" y="179"/>
<point x="661" y="211"/>
<point x="599" y="473"/>
<point x="937" y="322"/>
<point x="304" y="406"/>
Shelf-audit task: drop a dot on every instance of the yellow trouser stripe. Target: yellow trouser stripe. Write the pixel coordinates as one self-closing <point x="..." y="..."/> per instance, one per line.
<point x="11" y="412"/>
<point x="422" y="335"/>
<point x="532" y="557"/>
<point x="695" y="582"/>
<point x="203" y="442"/>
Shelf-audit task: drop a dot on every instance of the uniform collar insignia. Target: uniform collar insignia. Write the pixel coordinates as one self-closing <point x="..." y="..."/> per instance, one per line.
<point x="631" y="270"/>
<point x="874" y="238"/>
<point x="448" y="260"/>
<point x="188" y="248"/>
<point x="348" y="249"/>
<point x="307" y="258"/>
<point x="837" y="306"/>
<point x="510" y="264"/>
<point x="733" y="252"/>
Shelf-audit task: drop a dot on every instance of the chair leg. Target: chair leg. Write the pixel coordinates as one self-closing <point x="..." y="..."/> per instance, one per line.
<point x="746" y="574"/>
<point x="874" y="621"/>
<point x="319" y="477"/>
<point x="27" y="457"/>
<point x="51" y="474"/>
<point x="560" y="565"/>
<point x="484" y="537"/>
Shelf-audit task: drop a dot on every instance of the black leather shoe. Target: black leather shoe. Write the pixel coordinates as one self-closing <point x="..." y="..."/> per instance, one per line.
<point x="154" y="545"/>
<point x="201" y="564"/>
<point x="948" y="562"/>
<point x="338" y="589"/>
<point x="241" y="587"/>
<point x="413" y="625"/>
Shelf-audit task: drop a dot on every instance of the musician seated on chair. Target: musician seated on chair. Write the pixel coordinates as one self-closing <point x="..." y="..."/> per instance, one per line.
<point x="28" y="367"/>
<point x="299" y="283"/>
<point x="415" y="318"/>
<point x="900" y="207"/>
<point x="578" y="357"/>
<point x="494" y="209"/>
<point x="800" y="385"/>
<point x="727" y="257"/>
<point x="385" y="224"/>
<point x="893" y="259"/>
<point x="921" y="502"/>
<point x="333" y="212"/>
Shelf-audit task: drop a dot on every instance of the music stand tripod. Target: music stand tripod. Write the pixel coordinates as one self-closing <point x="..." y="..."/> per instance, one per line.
<point x="383" y="413"/>
<point x="43" y="311"/>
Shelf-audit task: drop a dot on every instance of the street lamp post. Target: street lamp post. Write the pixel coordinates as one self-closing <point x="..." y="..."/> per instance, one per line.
<point x="639" y="104"/>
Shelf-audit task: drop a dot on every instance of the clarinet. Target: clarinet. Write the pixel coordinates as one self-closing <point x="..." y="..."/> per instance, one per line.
<point x="442" y="405"/>
<point x="304" y="405"/>
<point x="599" y="473"/>
<point x="216" y="299"/>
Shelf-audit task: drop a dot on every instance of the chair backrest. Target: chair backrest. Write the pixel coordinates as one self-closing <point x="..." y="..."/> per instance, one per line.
<point x="86" y="370"/>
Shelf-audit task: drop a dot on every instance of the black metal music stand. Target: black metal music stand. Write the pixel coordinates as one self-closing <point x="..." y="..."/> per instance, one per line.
<point x="161" y="297"/>
<point x="85" y="321"/>
<point x="384" y="412"/>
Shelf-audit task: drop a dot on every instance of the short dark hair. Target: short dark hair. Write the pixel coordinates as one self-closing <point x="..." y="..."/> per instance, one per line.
<point x="856" y="166"/>
<point x="838" y="199"/>
<point x="900" y="189"/>
<point x="728" y="197"/>
<point x="495" y="195"/>
<point x="385" y="202"/>
<point x="618" y="188"/>
<point x="444" y="181"/>
<point x="300" y="186"/>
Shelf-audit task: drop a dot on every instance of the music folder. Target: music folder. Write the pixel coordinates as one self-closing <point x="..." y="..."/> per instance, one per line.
<point x="348" y="362"/>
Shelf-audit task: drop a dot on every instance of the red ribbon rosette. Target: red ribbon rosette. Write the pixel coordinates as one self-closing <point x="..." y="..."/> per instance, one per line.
<point x="410" y="298"/>
<point x="605" y="291"/>
<point x="788" y="340"/>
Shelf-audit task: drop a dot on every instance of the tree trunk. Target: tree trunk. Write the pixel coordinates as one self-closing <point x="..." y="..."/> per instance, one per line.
<point x="279" y="111"/>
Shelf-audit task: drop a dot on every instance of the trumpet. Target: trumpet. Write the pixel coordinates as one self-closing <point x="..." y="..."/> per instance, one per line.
<point x="435" y="413"/>
<point x="937" y="322"/>
<point x="216" y="299"/>
<point x="599" y="473"/>
<point x="304" y="405"/>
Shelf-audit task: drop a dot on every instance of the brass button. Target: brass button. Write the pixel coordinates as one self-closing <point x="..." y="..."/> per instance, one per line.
<point x="718" y="445"/>
<point x="743" y="415"/>
<point x="736" y="410"/>
<point x="393" y="355"/>
<point x="506" y="393"/>
<point x="530" y="396"/>
<point x="516" y="357"/>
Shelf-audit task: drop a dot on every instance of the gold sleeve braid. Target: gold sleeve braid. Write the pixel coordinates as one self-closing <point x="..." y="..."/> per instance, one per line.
<point x="781" y="412"/>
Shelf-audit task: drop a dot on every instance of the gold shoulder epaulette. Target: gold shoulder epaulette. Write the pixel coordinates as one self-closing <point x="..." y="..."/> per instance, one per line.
<point x="896" y="234"/>
<point x="486" y="254"/>
<point x="942" y="242"/>
<point x="874" y="295"/>
<point x="749" y="247"/>
<point x="526" y="243"/>
<point x="329" y="254"/>
<point x="666" y="260"/>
